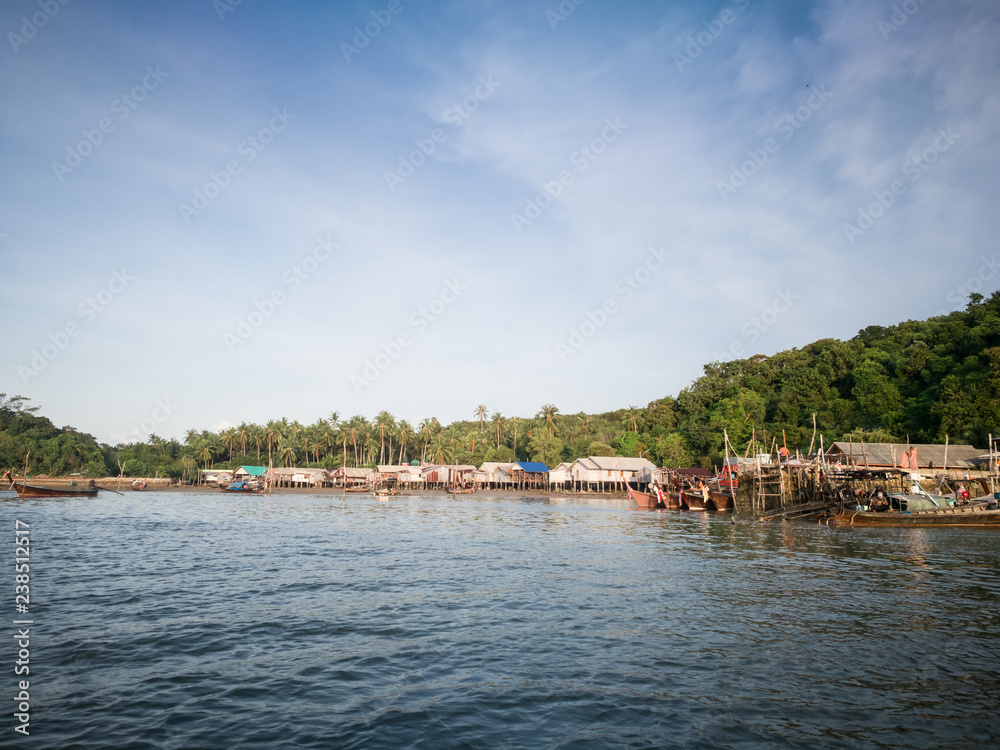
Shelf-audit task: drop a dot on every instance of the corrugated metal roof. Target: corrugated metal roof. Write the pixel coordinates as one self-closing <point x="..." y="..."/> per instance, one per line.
<point x="532" y="467"/>
<point x="881" y="454"/>
<point x="255" y="471"/>
<point x="620" y="463"/>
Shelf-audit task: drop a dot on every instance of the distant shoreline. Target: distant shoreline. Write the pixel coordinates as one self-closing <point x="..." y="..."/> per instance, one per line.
<point x="162" y="485"/>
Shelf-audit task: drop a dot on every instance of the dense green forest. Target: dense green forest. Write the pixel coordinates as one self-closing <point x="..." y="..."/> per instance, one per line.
<point x="920" y="381"/>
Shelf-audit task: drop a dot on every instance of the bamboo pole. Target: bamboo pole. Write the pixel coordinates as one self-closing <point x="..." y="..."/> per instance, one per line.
<point x="813" y="439"/>
<point x="946" y="453"/>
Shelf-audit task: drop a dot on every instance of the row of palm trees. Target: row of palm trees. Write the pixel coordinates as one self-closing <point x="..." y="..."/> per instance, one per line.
<point x="358" y="441"/>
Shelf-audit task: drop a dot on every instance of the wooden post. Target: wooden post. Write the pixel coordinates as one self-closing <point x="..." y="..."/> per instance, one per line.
<point x="946" y="453"/>
<point x="811" y="441"/>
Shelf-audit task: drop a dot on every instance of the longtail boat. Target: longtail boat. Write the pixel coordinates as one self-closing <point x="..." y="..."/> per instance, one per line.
<point x="460" y="490"/>
<point x="983" y="514"/>
<point x="655" y="500"/>
<point x="693" y="500"/>
<point x="720" y="500"/>
<point x="242" y="487"/>
<point x="34" y="490"/>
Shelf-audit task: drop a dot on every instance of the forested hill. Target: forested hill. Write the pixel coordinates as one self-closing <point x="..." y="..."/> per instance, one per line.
<point x="919" y="380"/>
<point x="24" y="435"/>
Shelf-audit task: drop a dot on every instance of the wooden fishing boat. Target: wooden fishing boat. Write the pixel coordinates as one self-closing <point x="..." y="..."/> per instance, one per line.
<point x="362" y="488"/>
<point x="242" y="487"/>
<point x="983" y="514"/>
<point x="34" y="490"/>
<point x="642" y="500"/>
<point x="655" y="500"/>
<point x="720" y="500"/>
<point x="139" y="484"/>
<point x="460" y="490"/>
<point x="693" y="500"/>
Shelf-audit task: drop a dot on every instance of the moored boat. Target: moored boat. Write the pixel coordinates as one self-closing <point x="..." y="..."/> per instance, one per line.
<point x="34" y="490"/>
<point x="655" y="500"/>
<point x="718" y="500"/>
<point x="139" y="484"/>
<point x="694" y="500"/>
<point x="983" y="514"/>
<point x="242" y="487"/>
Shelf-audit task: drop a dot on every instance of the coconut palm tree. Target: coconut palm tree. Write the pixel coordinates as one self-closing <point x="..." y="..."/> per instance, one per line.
<point x="632" y="417"/>
<point x="405" y="432"/>
<point x="481" y="413"/>
<point x="242" y="433"/>
<point x="228" y="437"/>
<point x="428" y="429"/>
<point x="273" y="435"/>
<point x="517" y="423"/>
<point x="497" y="426"/>
<point x="286" y="449"/>
<point x="549" y="411"/>
<point x="384" y="422"/>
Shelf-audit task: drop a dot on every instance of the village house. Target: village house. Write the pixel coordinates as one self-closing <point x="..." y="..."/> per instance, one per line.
<point x="606" y="473"/>
<point x="891" y="455"/>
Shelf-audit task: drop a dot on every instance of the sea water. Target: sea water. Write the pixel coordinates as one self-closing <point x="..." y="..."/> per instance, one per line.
<point x="186" y="620"/>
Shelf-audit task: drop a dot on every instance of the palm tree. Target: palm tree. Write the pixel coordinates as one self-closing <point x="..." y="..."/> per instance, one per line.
<point x="428" y="428"/>
<point x="228" y="436"/>
<point x="287" y="451"/>
<point x="404" y="434"/>
<point x="497" y="426"/>
<point x="273" y="435"/>
<point x="549" y="411"/>
<point x="584" y="423"/>
<point x="307" y="442"/>
<point x="481" y="413"/>
<point x="257" y="436"/>
<point x="242" y="432"/>
<point x="384" y="422"/>
<point x="631" y="416"/>
<point x="354" y="429"/>
<point x="517" y="424"/>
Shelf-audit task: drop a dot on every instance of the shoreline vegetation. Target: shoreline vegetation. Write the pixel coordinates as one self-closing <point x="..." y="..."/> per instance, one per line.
<point x="919" y="381"/>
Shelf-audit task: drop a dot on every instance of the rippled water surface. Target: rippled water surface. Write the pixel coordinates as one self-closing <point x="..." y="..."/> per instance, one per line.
<point x="184" y="620"/>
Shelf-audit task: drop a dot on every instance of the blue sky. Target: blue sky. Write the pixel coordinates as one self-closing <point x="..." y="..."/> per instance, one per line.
<point x="213" y="214"/>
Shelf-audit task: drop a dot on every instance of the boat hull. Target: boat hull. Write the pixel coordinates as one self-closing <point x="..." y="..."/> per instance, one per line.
<point x="693" y="501"/>
<point x="720" y="501"/>
<point x="956" y="516"/>
<point x="642" y="500"/>
<point x="31" y="490"/>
